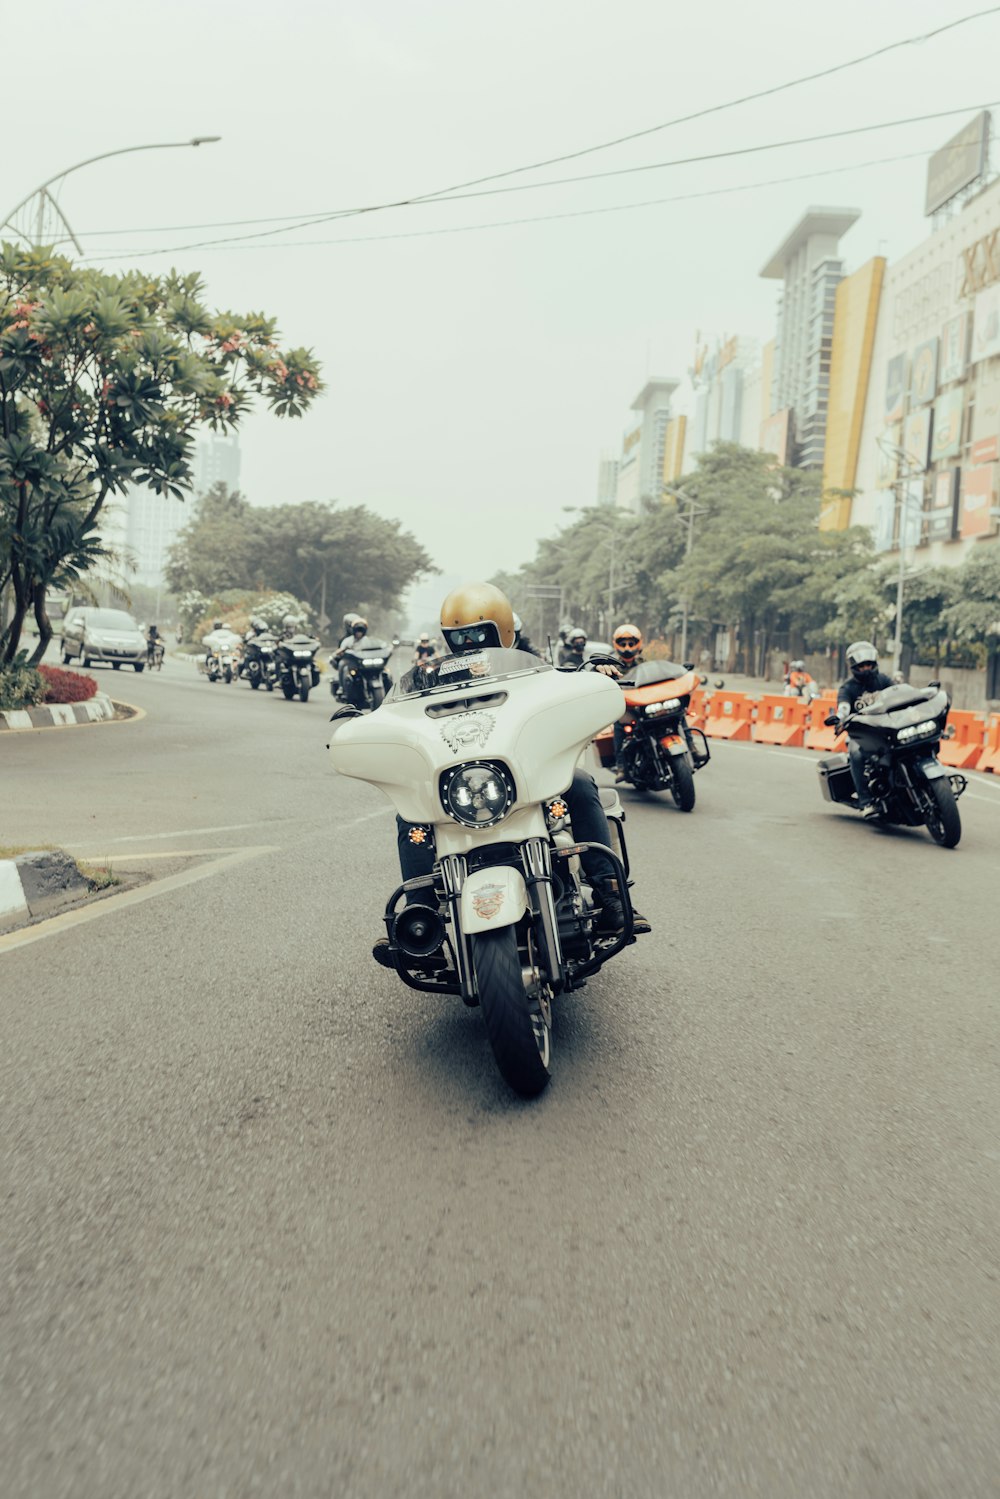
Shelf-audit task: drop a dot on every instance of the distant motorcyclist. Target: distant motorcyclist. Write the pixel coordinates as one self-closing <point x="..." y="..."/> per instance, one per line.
<point x="571" y="652"/>
<point x="859" y="691"/>
<point x="475" y="617"/>
<point x="627" y="643"/>
<point x="522" y="641"/>
<point x="425" y="650"/>
<point x="357" y="633"/>
<point x="153" y="638"/>
<point x="220" y="638"/>
<point x="798" y="680"/>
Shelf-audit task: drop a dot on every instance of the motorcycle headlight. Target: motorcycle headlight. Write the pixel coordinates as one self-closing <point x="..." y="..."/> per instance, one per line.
<point x="375" y="661"/>
<point x="303" y="655"/>
<point x="670" y="705"/>
<point x="478" y="794"/>
<point x="923" y="730"/>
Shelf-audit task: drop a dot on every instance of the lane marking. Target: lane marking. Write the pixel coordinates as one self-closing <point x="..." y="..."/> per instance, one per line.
<point x="55" y="925"/>
<point x="229" y="827"/>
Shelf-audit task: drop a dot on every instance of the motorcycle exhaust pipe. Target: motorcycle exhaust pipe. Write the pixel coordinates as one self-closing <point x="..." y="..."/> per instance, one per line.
<point x="418" y="931"/>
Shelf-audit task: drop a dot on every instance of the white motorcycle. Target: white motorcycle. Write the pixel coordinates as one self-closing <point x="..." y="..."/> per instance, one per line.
<point x="477" y="756"/>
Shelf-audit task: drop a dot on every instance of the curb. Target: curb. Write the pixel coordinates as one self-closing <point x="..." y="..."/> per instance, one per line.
<point x="49" y="714"/>
<point x="36" y="884"/>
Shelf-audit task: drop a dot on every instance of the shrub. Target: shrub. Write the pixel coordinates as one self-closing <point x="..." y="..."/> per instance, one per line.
<point x="65" y="686"/>
<point x="21" y="686"/>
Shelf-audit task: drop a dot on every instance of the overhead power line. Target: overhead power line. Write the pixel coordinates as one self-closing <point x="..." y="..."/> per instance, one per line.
<point x="314" y="223"/>
<point x="438" y="193"/>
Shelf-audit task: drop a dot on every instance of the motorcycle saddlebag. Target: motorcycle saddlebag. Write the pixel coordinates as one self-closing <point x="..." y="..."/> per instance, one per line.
<point x="835" y="778"/>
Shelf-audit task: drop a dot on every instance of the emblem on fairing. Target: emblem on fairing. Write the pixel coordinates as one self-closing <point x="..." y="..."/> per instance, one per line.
<point x="487" y="901"/>
<point x="466" y="730"/>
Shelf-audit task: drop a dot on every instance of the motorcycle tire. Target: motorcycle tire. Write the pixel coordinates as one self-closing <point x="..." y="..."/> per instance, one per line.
<point x="288" y="690"/>
<point x="377" y="695"/>
<point x="254" y="683"/>
<point x="269" y="684"/>
<point x="228" y="674"/>
<point x="518" y="1033"/>
<point x="944" y="821"/>
<point x="682" y="789"/>
<point x="303" y="692"/>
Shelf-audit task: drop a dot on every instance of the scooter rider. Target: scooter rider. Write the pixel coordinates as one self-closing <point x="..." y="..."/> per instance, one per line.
<point x="474" y="617"/>
<point x="859" y="691"/>
<point x="571" y="652"/>
<point x="627" y="641"/>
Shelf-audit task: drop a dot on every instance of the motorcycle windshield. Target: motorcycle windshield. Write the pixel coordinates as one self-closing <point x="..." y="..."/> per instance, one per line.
<point x="649" y="672"/>
<point x="456" y="672"/>
<point x="370" y="646"/>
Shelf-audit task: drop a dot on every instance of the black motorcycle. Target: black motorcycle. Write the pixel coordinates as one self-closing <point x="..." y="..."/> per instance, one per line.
<point x="363" y="679"/>
<point x="900" y="733"/>
<point x="258" y="664"/>
<point x="295" y="661"/>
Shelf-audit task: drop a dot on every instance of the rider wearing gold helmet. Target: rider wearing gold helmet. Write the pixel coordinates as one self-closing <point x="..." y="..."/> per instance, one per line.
<point x="476" y="617"/>
<point x="627" y="641"/>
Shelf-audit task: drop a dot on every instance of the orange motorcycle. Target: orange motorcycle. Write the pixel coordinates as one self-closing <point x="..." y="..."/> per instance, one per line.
<point x="661" y="751"/>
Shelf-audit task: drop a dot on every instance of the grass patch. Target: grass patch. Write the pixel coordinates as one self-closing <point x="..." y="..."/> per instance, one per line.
<point x="14" y="850"/>
<point x="99" y="876"/>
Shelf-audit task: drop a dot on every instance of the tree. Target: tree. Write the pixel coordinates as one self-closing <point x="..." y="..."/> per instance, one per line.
<point x="334" y="559"/>
<point x="974" y="615"/>
<point x="104" y="381"/>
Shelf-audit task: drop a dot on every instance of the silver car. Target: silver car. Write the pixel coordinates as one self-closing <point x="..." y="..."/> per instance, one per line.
<point x="90" y="635"/>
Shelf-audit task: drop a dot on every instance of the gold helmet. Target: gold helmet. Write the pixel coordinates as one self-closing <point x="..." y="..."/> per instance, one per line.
<point x="477" y="615"/>
<point x="627" y="641"/>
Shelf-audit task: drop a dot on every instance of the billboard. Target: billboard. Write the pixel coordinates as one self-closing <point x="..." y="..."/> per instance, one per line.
<point x="947" y="440"/>
<point x="986" y="324"/>
<point x="958" y="163"/>
<point x="923" y="373"/>
<point x="673" y="449"/>
<point x="977" y="501"/>
<point x="887" y="463"/>
<point x="775" y="434"/>
<point x="917" y="437"/>
<point x="954" y="349"/>
<point x="944" y="498"/>
<point x="895" y="389"/>
<point x="885" y="517"/>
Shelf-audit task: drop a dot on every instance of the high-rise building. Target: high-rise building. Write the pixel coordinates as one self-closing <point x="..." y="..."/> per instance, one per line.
<point x="217" y="461"/>
<point x="640" y="471"/>
<point x="607" y="481"/>
<point x="727" y="394"/>
<point x="808" y="264"/>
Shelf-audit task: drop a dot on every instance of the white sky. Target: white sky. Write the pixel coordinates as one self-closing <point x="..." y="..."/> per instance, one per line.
<point x="474" y="379"/>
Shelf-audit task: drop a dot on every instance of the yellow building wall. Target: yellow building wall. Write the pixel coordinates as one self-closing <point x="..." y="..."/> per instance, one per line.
<point x="854" y="320"/>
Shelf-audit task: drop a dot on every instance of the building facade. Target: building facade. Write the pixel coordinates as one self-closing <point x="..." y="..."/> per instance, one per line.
<point x="640" y="469"/>
<point x="927" y="470"/>
<point x="808" y="264"/>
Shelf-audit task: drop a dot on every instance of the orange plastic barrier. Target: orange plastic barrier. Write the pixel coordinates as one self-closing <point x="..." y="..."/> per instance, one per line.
<point x="728" y="715"/>
<point x="964" y="750"/>
<point x="990" y="759"/>
<point x="781" y="720"/>
<point x="818" y="736"/>
<point x="699" y="698"/>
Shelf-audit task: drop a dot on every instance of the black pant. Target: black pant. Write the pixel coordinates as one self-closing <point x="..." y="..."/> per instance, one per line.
<point x="589" y="826"/>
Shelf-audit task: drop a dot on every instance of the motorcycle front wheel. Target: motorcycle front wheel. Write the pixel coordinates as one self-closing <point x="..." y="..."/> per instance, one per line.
<point x="303" y="692"/>
<point x="288" y="689"/>
<point x="377" y="694"/>
<point x="682" y="787"/>
<point x="255" y="683"/>
<point x="518" y="1030"/>
<point x="944" y="821"/>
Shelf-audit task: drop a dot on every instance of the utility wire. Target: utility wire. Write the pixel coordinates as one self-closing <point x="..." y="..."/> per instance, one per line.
<point x="563" y="181"/>
<point x="572" y="155"/>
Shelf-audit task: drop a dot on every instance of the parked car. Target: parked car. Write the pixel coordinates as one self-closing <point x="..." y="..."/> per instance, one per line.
<point x="91" y="635"/>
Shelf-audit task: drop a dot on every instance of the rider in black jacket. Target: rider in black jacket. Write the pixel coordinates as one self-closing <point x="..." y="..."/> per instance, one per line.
<point x="861" y="688"/>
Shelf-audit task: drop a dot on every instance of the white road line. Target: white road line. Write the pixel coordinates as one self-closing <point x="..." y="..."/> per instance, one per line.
<point x="230" y="827"/>
<point x="112" y="903"/>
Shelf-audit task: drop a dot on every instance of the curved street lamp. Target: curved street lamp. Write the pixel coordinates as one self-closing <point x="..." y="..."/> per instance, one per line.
<point x="45" y="200"/>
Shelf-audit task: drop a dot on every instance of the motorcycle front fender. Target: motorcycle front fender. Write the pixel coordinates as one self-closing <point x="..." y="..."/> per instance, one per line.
<point x="674" y="744"/>
<point x="932" y="770"/>
<point x="492" y="898"/>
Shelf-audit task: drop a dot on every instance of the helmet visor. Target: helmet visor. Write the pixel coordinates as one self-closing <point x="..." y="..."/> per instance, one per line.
<point x="472" y="637"/>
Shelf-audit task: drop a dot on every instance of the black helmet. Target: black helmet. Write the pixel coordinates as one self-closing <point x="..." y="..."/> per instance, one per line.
<point x="360" y="626"/>
<point x="862" y="657"/>
<point x="217" y="624"/>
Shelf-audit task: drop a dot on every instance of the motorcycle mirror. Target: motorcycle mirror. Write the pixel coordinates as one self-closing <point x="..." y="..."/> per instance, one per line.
<point x="934" y="684"/>
<point x="830" y="720"/>
<point x="688" y="665"/>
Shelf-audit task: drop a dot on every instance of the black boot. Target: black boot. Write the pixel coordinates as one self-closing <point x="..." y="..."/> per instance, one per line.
<point x="612" y="916"/>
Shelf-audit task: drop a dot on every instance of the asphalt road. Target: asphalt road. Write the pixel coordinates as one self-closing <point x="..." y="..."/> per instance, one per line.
<point x="273" y="1225"/>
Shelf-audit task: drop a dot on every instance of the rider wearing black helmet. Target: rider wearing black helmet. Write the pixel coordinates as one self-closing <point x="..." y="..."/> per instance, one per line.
<point x="571" y="653"/>
<point x="861" y="688"/>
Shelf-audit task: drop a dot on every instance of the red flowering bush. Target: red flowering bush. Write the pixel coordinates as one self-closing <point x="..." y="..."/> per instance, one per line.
<point x="66" y="686"/>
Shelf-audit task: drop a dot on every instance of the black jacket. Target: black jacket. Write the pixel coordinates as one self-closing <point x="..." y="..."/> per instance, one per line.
<point x="858" y="696"/>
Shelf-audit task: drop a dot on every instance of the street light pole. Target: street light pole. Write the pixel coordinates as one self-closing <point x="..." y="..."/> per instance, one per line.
<point x="44" y="199"/>
<point x="693" y="510"/>
<point x="907" y="471"/>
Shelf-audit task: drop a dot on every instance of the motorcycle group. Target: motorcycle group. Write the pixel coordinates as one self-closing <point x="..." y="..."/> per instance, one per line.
<point x="514" y="871"/>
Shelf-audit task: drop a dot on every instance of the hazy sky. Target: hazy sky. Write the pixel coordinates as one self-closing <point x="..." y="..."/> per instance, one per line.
<point x="474" y="378"/>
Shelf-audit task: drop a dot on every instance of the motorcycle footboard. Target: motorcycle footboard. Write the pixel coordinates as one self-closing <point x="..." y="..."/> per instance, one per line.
<point x="700" y="753"/>
<point x="577" y="971"/>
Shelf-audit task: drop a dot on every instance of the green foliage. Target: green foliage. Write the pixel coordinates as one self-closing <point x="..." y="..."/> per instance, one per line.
<point x="317" y="552"/>
<point x="104" y="381"/>
<point x="235" y="606"/>
<point x="21" y="686"/>
<point x="973" y="615"/>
